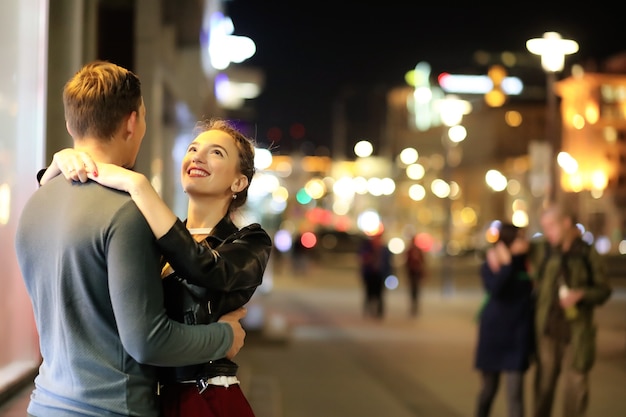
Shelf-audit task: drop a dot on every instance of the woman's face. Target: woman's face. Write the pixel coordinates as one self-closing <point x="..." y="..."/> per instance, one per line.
<point x="211" y="166"/>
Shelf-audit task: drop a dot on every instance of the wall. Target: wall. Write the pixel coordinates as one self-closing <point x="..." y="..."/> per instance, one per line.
<point x="23" y="42"/>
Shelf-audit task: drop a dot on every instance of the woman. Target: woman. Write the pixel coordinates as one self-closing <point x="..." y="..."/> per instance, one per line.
<point x="506" y="321"/>
<point x="212" y="267"/>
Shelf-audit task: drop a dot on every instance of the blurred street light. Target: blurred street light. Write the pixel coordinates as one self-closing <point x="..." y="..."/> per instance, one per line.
<point x="552" y="48"/>
<point x="451" y="110"/>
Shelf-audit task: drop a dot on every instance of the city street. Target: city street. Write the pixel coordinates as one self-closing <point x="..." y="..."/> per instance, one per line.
<point x="310" y="352"/>
<point x="321" y="357"/>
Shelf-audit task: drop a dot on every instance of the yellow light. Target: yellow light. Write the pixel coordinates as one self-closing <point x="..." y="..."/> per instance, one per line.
<point x="491" y="235"/>
<point x="578" y="122"/>
<point x="520" y="218"/>
<point x="497" y="73"/>
<point x="415" y="171"/>
<point x="409" y="156"/>
<point x="599" y="180"/>
<point x="591" y="113"/>
<point x="417" y="192"/>
<point x="567" y="162"/>
<point x="363" y="149"/>
<point x="519" y="204"/>
<point x="495" y="98"/>
<point x="468" y="216"/>
<point x="440" y="188"/>
<point x="572" y="182"/>
<point x="457" y="133"/>
<point x="316" y="163"/>
<point x="409" y="77"/>
<point x="280" y="194"/>
<point x="513" y="118"/>
<point x="315" y="188"/>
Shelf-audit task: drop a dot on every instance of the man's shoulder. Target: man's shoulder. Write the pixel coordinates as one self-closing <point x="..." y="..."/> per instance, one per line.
<point x="538" y="247"/>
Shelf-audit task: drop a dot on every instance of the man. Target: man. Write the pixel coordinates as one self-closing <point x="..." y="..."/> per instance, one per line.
<point x="376" y="266"/>
<point x="91" y="267"/>
<point x="571" y="282"/>
<point x="415" y="268"/>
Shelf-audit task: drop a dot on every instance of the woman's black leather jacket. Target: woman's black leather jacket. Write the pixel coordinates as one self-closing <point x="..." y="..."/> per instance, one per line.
<point x="211" y="278"/>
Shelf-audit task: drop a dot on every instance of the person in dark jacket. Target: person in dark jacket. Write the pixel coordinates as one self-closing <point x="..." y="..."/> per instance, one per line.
<point x="210" y="266"/>
<point x="375" y="266"/>
<point x="415" y="266"/>
<point x="505" y="333"/>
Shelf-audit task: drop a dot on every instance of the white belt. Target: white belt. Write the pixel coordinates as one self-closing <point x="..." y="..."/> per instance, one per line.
<point x="221" y="380"/>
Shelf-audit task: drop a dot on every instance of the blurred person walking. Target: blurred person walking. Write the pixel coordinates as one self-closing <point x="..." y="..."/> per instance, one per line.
<point x="505" y="331"/>
<point x="375" y="267"/>
<point x="90" y="264"/>
<point x="415" y="266"/>
<point x="571" y="283"/>
<point x="210" y="265"/>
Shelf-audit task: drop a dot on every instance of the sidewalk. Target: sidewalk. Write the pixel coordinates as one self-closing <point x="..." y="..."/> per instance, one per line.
<point x="315" y="354"/>
<point x="398" y="367"/>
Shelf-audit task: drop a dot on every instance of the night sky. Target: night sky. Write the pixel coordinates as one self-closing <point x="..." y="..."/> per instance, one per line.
<point x="311" y="52"/>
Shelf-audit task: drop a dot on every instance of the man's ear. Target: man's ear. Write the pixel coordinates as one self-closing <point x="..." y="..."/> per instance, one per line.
<point x="69" y="130"/>
<point x="131" y="124"/>
<point x="239" y="184"/>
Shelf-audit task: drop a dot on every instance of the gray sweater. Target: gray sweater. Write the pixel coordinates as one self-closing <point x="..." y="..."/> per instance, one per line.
<point x="91" y="268"/>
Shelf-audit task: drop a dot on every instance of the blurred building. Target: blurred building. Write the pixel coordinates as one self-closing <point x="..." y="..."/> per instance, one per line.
<point x="510" y="138"/>
<point x="593" y="109"/>
<point x="498" y="138"/>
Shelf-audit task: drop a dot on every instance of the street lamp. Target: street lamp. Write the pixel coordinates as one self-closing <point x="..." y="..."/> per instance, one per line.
<point x="552" y="48"/>
<point x="451" y="111"/>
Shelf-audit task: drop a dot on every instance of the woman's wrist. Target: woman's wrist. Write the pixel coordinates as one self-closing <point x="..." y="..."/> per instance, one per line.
<point x="137" y="185"/>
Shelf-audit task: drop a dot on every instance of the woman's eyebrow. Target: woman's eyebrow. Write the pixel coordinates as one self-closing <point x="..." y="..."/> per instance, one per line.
<point x="215" y="145"/>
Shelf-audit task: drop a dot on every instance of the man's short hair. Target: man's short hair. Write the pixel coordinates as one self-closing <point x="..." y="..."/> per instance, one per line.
<point x="562" y="209"/>
<point x="98" y="98"/>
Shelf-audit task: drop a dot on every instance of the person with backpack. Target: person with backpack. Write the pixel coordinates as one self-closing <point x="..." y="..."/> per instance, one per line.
<point x="571" y="282"/>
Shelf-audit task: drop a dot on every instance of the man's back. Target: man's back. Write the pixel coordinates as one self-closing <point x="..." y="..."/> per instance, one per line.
<point x="84" y="250"/>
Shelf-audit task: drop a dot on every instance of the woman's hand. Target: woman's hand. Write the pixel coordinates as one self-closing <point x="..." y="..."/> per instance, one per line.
<point x="503" y="253"/>
<point x="115" y="176"/>
<point x="74" y="165"/>
<point x="497" y="256"/>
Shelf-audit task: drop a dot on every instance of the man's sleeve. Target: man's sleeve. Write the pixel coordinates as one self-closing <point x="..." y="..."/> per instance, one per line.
<point x="147" y="334"/>
<point x="599" y="290"/>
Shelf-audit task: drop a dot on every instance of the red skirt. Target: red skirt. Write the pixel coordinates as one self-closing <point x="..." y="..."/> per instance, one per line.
<point x="184" y="400"/>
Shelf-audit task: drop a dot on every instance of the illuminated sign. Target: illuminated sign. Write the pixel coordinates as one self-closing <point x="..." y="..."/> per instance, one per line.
<point x="477" y="84"/>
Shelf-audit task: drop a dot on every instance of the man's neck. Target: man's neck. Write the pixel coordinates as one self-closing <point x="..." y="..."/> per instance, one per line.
<point x="100" y="150"/>
<point x="569" y="239"/>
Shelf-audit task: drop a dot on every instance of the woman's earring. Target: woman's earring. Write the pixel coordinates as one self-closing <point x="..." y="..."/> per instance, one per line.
<point x="234" y="196"/>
